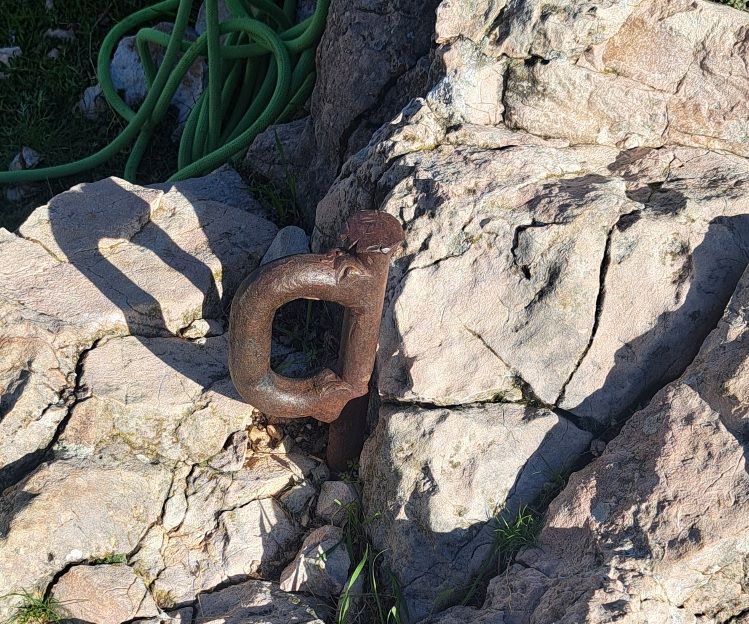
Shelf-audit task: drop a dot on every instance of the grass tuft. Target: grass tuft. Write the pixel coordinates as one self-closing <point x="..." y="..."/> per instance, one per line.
<point x="517" y="533"/>
<point x="35" y="609"/>
<point x="280" y="201"/>
<point x="742" y="5"/>
<point x="510" y="536"/>
<point x="110" y="558"/>
<point x="39" y="94"/>
<point x="364" y="600"/>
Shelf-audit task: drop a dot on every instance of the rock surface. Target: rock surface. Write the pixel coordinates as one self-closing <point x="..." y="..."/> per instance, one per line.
<point x="573" y="190"/>
<point x="122" y="436"/>
<point x="672" y="72"/>
<point x="553" y="242"/>
<point x="321" y="566"/>
<point x="129" y="79"/>
<point x="436" y="479"/>
<point x="573" y="185"/>
<point x="79" y="510"/>
<point x="384" y="46"/>
<point x="656" y="529"/>
<point x="150" y="264"/>
<point x="289" y="241"/>
<point x="104" y="594"/>
<point x="258" y="602"/>
<point x="336" y="497"/>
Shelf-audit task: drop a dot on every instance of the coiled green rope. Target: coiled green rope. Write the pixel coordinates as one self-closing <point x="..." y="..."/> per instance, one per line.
<point x="258" y="74"/>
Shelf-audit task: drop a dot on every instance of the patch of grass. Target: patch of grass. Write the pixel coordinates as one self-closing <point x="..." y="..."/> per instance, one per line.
<point x="39" y="95"/>
<point x="517" y="533"/>
<point x="164" y="598"/>
<point x="35" y="608"/>
<point x="281" y="201"/>
<point x="510" y="536"/>
<point x="351" y="474"/>
<point x="110" y="558"/>
<point x="363" y="599"/>
<point x="742" y="5"/>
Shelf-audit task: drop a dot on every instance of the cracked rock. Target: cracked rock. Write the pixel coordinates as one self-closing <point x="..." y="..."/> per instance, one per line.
<point x="322" y="565"/>
<point x="74" y="511"/>
<point x="435" y="478"/>
<point x="112" y="259"/>
<point x="258" y="602"/>
<point x="521" y="277"/>
<point x="656" y="529"/>
<point x="169" y="399"/>
<point x="229" y="525"/>
<point x="104" y="594"/>
<point x="631" y="75"/>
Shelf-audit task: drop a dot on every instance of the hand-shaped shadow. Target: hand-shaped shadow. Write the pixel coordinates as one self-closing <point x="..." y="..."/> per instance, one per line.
<point x="162" y="260"/>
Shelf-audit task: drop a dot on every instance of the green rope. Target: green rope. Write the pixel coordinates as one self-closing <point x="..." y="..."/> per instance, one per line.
<point x="260" y="70"/>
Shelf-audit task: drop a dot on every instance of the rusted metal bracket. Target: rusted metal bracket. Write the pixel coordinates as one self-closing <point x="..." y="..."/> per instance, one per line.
<point x="354" y="275"/>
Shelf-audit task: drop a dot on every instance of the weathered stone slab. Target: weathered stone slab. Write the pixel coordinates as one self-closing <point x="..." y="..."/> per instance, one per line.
<point x="75" y="511"/>
<point x="522" y="272"/>
<point x="435" y="479"/>
<point x="258" y="602"/>
<point x="673" y="71"/>
<point x="168" y="398"/>
<point x="656" y="529"/>
<point x="103" y="594"/>
<point x="113" y="259"/>
<point x="225" y="525"/>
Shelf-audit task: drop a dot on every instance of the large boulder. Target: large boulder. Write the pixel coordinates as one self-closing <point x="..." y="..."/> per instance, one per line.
<point x="656" y="529"/>
<point x="129" y="485"/>
<point x="522" y="280"/>
<point x="437" y="480"/>
<point x="372" y="59"/>
<point x="111" y="259"/>
<point x="531" y="261"/>
<point x="573" y="191"/>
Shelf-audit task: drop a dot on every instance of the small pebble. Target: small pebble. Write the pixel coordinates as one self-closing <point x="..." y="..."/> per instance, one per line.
<point x="53" y="54"/>
<point x="8" y="53"/>
<point x="27" y="158"/>
<point x="60" y="34"/>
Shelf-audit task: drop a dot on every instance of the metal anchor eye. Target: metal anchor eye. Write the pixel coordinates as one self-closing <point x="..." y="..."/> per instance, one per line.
<point x="354" y="277"/>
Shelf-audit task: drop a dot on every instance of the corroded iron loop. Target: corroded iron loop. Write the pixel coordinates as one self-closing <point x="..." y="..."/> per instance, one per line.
<point x="354" y="277"/>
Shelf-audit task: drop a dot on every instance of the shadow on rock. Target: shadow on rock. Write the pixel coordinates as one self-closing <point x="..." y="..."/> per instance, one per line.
<point x="661" y="355"/>
<point x="157" y="268"/>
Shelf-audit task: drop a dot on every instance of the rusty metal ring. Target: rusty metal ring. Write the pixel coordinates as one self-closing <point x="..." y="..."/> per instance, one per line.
<point x="353" y="275"/>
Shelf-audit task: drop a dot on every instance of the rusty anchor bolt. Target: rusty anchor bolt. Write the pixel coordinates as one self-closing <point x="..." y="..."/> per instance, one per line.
<point x="354" y="275"/>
